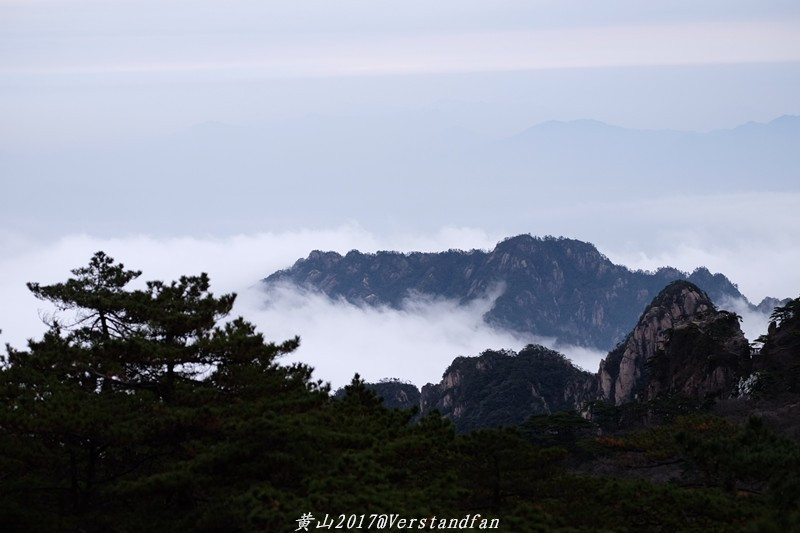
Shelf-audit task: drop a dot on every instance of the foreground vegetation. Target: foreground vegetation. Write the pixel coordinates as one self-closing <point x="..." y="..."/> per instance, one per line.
<point x="138" y="412"/>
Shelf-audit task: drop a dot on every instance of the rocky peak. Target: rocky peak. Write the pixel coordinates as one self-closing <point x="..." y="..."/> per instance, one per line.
<point x="622" y="375"/>
<point x="701" y="358"/>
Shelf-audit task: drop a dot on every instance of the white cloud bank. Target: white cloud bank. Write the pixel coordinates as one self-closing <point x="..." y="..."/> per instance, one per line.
<point x="339" y="339"/>
<point x="415" y="343"/>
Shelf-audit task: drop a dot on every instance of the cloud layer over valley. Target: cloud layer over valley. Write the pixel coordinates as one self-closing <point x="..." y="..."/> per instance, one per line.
<point x="414" y="343"/>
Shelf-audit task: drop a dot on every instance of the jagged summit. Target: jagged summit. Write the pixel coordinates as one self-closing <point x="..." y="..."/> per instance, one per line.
<point x="553" y="287"/>
<point x="680" y="345"/>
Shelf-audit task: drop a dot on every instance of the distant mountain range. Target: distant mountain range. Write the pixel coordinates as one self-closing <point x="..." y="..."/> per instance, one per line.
<point x="559" y="288"/>
<point x="622" y="157"/>
<point x="390" y="170"/>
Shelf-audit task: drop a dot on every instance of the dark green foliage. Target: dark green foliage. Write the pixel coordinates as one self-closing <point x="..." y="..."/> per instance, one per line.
<point x="141" y="412"/>
<point x="747" y="462"/>
<point x="130" y="408"/>
<point x="778" y="363"/>
<point x="394" y="393"/>
<point x="745" y="458"/>
<point x="563" y="429"/>
<point x="503" y="388"/>
<point x="379" y="462"/>
<point x="622" y="505"/>
<point x="504" y="468"/>
<point x="786" y="313"/>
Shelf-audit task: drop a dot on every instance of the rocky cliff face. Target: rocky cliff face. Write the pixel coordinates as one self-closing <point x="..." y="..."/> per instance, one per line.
<point x="680" y="345"/>
<point x="702" y="358"/>
<point x="560" y="288"/>
<point x="505" y="388"/>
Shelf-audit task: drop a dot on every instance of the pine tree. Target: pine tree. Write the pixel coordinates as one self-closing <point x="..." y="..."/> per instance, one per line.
<point x="136" y="409"/>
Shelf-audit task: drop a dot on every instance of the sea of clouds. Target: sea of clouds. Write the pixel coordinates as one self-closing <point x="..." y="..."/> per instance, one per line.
<point x="414" y="343"/>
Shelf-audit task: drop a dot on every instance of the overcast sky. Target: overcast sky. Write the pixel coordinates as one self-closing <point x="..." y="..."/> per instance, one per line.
<point x="109" y="69"/>
<point x="236" y="136"/>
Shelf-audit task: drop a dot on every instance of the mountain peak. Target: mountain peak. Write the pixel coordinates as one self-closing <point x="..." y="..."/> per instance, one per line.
<point x="681" y="344"/>
<point x="681" y="298"/>
<point x="623" y="374"/>
<point x="554" y="287"/>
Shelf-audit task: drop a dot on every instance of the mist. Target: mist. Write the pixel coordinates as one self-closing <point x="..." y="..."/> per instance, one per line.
<point x="754" y="323"/>
<point x="414" y="343"/>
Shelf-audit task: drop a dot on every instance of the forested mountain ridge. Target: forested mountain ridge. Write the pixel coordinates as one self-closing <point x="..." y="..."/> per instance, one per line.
<point x="552" y="287"/>
<point x="683" y="352"/>
<point x="503" y="388"/>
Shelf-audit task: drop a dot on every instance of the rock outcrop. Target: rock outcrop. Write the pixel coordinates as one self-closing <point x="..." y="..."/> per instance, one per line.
<point x="702" y="358"/>
<point x="681" y="345"/>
